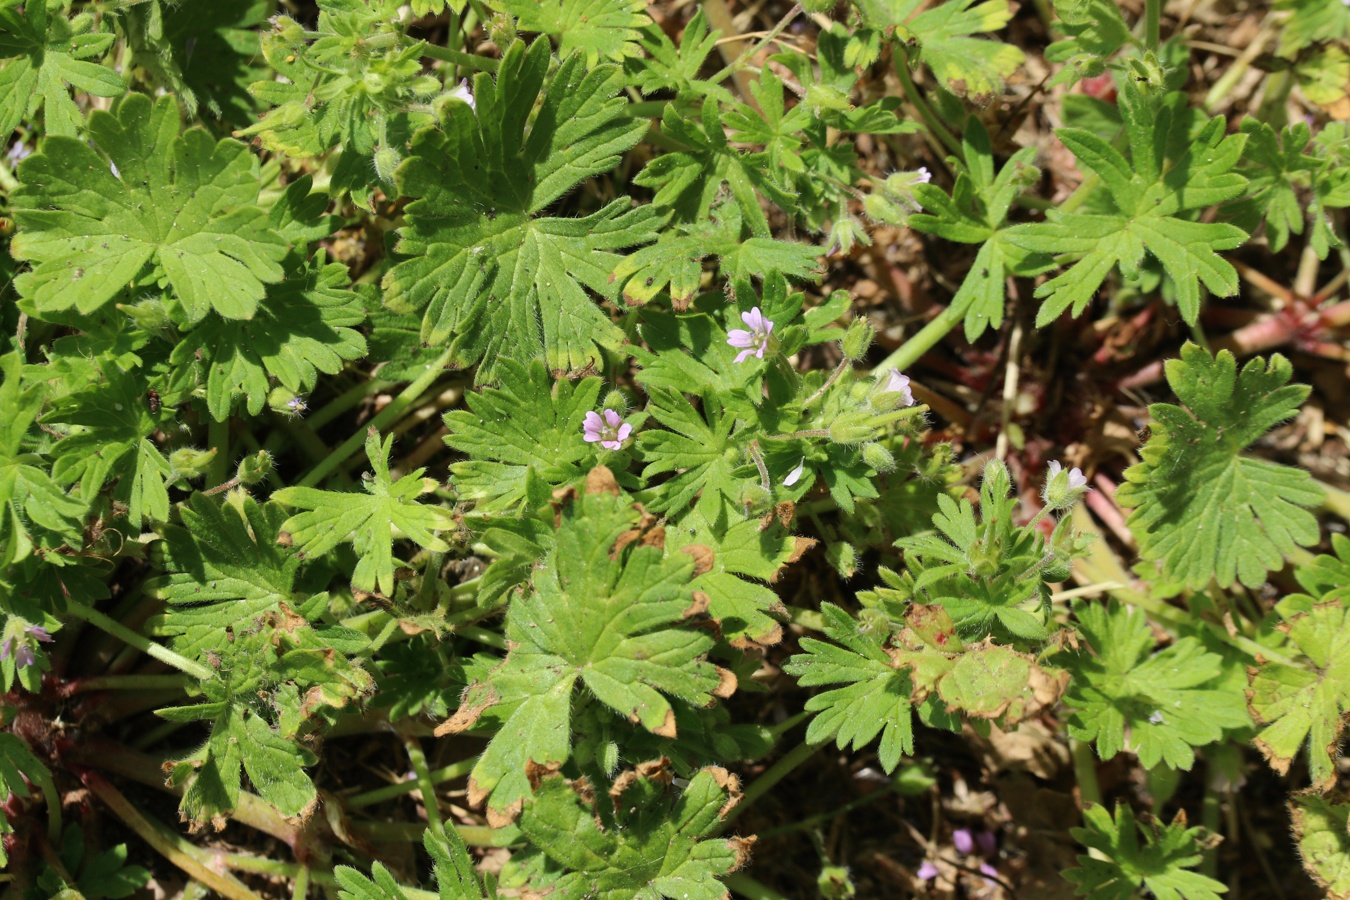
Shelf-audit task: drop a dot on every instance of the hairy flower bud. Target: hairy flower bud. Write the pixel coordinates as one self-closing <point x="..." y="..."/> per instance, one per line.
<point x="191" y="462"/>
<point x="853" y="427"/>
<point x="253" y="469"/>
<point x="878" y="457"/>
<point x="1063" y="486"/>
<point x="386" y="161"/>
<point x="881" y="209"/>
<point x="857" y="339"/>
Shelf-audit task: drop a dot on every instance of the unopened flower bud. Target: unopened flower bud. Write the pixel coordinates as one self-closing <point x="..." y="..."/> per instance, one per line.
<point x="616" y="401"/>
<point x="191" y="462"/>
<point x="150" y="315"/>
<point x="755" y="499"/>
<point x="253" y="469"/>
<point x="386" y="161"/>
<point x="857" y="339"/>
<point x="881" y="209"/>
<point x="853" y="427"/>
<point x="844" y="234"/>
<point x="878" y="457"/>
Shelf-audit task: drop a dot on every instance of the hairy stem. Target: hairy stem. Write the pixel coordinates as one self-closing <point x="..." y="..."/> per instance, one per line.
<point x="930" y="119"/>
<point x="776" y="773"/>
<point x="140" y="642"/>
<point x="171" y="846"/>
<point x="424" y="783"/>
<point x="908" y="353"/>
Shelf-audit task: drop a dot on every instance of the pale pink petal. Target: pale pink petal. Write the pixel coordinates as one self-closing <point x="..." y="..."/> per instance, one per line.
<point x="963" y="840"/>
<point x="612" y="418"/>
<point x="738" y="338"/>
<point x="624" y="431"/>
<point x="927" y="871"/>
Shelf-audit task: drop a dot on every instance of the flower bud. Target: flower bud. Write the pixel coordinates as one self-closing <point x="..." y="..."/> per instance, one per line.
<point x="891" y="391"/>
<point x="844" y="234"/>
<point x="191" y="462"/>
<point x="823" y="98"/>
<point x="878" y="458"/>
<point x="386" y="161"/>
<point x="857" y="339"/>
<point x="616" y="401"/>
<point x="755" y="499"/>
<point x="253" y="469"/>
<point x="853" y="427"/>
<point x="150" y="315"/>
<point x="882" y="210"/>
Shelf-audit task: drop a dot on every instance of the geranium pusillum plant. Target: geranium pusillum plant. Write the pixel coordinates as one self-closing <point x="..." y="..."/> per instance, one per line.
<point x="756" y="340"/>
<point x="609" y="429"/>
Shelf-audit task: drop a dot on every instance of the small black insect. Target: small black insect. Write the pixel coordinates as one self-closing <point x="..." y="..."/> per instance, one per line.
<point x="152" y="399"/>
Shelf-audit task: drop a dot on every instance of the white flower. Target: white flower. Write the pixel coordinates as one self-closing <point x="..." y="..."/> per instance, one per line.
<point x="464" y="93"/>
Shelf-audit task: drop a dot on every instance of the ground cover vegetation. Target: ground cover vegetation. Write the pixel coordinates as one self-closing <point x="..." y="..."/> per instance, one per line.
<point x="590" y="448"/>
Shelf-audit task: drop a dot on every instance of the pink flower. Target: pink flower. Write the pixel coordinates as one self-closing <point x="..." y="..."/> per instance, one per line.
<point x="990" y="874"/>
<point x="899" y="384"/>
<point x="611" y="430"/>
<point x="1077" y="480"/>
<point x="927" y="871"/>
<point x="23" y="645"/>
<point x="756" y="340"/>
<point x="923" y="176"/>
<point x="964" y="841"/>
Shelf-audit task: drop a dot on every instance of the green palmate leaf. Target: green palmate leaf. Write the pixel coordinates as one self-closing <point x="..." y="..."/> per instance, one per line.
<point x="1155" y="195"/>
<point x="1201" y="508"/>
<point x="875" y="698"/>
<point x="110" y="442"/>
<point x="739" y="557"/>
<point x="1096" y="31"/>
<point x="596" y="29"/>
<point x="667" y="67"/>
<point x="1306" y="701"/>
<point x="1161" y="866"/>
<point x="656" y="843"/>
<point x="371" y="521"/>
<point x="222" y="566"/>
<point x="31" y="501"/>
<point x="1322" y="830"/>
<point x="691" y="182"/>
<point x="1160" y="705"/>
<point x="304" y="327"/>
<point x="967" y="65"/>
<point x="976" y="213"/>
<point x="41" y="51"/>
<point x="531" y="424"/>
<point x="1312" y="22"/>
<point x="151" y="206"/>
<point x="453" y="868"/>
<point x="1282" y="171"/>
<point x="698" y="450"/>
<point x="603" y="613"/>
<point x="493" y="275"/>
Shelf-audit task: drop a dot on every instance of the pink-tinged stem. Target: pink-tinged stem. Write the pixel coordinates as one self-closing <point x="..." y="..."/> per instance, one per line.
<point x="1103" y="505"/>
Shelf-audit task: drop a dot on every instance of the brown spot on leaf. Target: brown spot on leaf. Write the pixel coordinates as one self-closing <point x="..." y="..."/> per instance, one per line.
<point x="667" y="727"/>
<point x="468" y="712"/>
<point x="698" y="605"/>
<point x="600" y="480"/>
<point x="726" y="683"/>
<point x="536" y="772"/>
<point x="703" y="557"/>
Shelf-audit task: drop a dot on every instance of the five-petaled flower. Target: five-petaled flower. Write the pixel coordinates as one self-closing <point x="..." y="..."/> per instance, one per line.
<point x="610" y="429"/>
<point x="754" y="341"/>
<point x="23" y="644"/>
